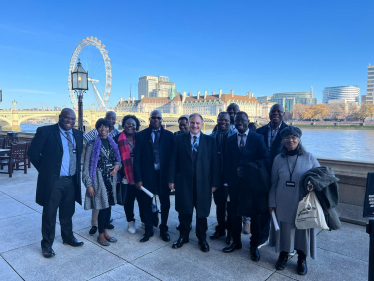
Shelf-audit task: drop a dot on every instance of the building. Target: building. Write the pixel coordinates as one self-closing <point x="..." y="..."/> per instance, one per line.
<point x="204" y="104"/>
<point x="289" y="99"/>
<point x="152" y="86"/>
<point x="344" y="104"/>
<point x="370" y="85"/>
<point x="264" y="98"/>
<point x="348" y="93"/>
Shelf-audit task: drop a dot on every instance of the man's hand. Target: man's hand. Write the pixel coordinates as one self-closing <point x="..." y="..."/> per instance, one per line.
<point x="271" y="209"/>
<point x="115" y="170"/>
<point x="138" y="185"/>
<point x="240" y="172"/>
<point x="214" y="189"/>
<point x="90" y="191"/>
<point x="171" y="186"/>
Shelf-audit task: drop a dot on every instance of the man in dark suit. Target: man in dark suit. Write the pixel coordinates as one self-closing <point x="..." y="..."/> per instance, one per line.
<point x="151" y="164"/>
<point x="243" y="148"/>
<point x="194" y="174"/>
<point x="272" y="138"/>
<point x="183" y="125"/>
<point x="55" y="152"/>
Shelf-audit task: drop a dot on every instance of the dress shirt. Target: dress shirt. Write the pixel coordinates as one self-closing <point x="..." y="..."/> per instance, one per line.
<point x="245" y="137"/>
<point x="157" y="166"/>
<point x="65" y="165"/>
<point x="192" y="135"/>
<point x="272" y="134"/>
<point x="232" y="127"/>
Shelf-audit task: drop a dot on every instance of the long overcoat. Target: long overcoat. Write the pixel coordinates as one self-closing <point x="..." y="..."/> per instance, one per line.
<point x="181" y="174"/>
<point x="45" y="154"/>
<point x="144" y="160"/>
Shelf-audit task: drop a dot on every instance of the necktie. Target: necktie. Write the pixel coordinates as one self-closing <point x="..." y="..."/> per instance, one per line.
<point x="156" y="146"/>
<point x="72" y="162"/>
<point x="195" y="146"/>
<point x="242" y="144"/>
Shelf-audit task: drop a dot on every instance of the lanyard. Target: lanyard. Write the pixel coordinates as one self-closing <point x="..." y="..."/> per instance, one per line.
<point x="67" y="138"/>
<point x="288" y="166"/>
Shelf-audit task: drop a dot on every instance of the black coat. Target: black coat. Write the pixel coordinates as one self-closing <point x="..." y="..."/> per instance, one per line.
<point x="45" y="154"/>
<point x="274" y="151"/>
<point x="144" y="169"/>
<point x="251" y="199"/>
<point x="181" y="174"/>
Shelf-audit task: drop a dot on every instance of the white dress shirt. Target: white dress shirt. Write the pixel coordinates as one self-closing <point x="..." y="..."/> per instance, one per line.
<point x="245" y="137"/>
<point x="157" y="166"/>
<point x="192" y="135"/>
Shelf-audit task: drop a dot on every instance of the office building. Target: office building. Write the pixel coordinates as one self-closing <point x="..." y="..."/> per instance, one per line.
<point x="289" y="99"/>
<point x="370" y="85"/>
<point x="348" y="93"/>
<point x="153" y="86"/>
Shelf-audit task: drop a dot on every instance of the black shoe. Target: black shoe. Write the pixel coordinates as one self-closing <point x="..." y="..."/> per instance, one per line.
<point x="179" y="243"/>
<point x="232" y="247"/>
<point x="48" y="252"/>
<point x="228" y="238"/>
<point x="217" y="235"/>
<point x="111" y="226"/>
<point x="301" y="267"/>
<point x="73" y="242"/>
<point x="204" y="246"/>
<point x="255" y="254"/>
<point x="282" y="261"/>
<point x="146" y="237"/>
<point x="165" y="236"/>
<point x="93" y="230"/>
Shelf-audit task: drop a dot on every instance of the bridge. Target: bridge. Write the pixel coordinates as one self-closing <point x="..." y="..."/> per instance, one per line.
<point x="14" y="118"/>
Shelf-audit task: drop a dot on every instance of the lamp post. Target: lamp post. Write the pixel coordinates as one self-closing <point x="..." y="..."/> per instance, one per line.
<point x="79" y="84"/>
<point x="14" y="103"/>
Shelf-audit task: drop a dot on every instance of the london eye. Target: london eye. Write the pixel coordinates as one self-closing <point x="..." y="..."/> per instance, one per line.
<point x="95" y="60"/>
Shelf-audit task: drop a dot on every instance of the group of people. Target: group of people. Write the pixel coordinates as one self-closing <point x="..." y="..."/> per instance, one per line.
<point x="249" y="172"/>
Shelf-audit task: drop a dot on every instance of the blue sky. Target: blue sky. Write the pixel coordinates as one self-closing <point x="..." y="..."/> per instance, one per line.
<point x="259" y="46"/>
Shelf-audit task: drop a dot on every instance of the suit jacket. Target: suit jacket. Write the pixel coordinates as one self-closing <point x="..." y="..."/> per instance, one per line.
<point x="45" y="154"/>
<point x="181" y="173"/>
<point x="264" y="131"/>
<point x="144" y="169"/>
<point x="250" y="200"/>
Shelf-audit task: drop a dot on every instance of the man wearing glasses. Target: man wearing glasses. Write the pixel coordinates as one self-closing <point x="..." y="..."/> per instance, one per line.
<point x="153" y="147"/>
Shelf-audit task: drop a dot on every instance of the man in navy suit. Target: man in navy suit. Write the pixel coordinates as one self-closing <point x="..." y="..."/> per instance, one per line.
<point x="243" y="148"/>
<point x="55" y="152"/>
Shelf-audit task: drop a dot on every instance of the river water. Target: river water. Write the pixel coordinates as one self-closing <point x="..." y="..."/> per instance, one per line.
<point x="343" y="144"/>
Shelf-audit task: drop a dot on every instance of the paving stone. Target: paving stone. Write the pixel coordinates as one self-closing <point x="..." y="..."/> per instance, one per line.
<point x="351" y="240"/>
<point x="70" y="263"/>
<point x="21" y="231"/>
<point x="329" y="266"/>
<point x="12" y="208"/>
<point x="279" y="277"/>
<point x="128" y="246"/>
<point x="189" y="263"/>
<point x="7" y="272"/>
<point x="125" y="272"/>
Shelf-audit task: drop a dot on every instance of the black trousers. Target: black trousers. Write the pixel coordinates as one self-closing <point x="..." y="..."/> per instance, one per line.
<point x="132" y="194"/>
<point x="236" y="224"/>
<point x="62" y="198"/>
<point x="146" y="210"/>
<point x="265" y="219"/>
<point x="220" y="199"/>
<point x="103" y="219"/>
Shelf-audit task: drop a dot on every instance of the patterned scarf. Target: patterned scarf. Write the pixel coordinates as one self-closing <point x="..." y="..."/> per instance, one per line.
<point x="96" y="153"/>
<point x="124" y="149"/>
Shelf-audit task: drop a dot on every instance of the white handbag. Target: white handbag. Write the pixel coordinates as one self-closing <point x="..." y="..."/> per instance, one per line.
<point x="310" y="213"/>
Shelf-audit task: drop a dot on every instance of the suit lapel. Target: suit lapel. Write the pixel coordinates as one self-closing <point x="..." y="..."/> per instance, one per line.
<point x="187" y="144"/>
<point x="202" y="147"/>
<point x="57" y="134"/>
<point x="266" y="136"/>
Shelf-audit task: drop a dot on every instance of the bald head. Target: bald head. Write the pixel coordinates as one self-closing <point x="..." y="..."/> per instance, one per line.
<point x="276" y="115"/>
<point x="155" y="119"/>
<point x="111" y="116"/>
<point x="232" y="109"/>
<point x="67" y="119"/>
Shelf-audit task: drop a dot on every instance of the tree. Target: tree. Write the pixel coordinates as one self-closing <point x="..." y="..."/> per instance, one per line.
<point x="298" y="111"/>
<point x="318" y="111"/>
<point x="366" y="110"/>
<point x="335" y="112"/>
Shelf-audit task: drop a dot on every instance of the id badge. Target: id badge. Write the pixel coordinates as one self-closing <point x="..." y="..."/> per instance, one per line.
<point x="74" y="151"/>
<point x="108" y="165"/>
<point x="290" y="183"/>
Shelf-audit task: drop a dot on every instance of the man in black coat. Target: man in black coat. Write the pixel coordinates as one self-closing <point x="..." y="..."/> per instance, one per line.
<point x="194" y="174"/>
<point x="55" y="152"/>
<point x="243" y="148"/>
<point x="153" y="147"/>
<point x="273" y="140"/>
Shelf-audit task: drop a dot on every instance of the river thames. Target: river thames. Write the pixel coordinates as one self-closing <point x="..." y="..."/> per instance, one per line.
<point x="343" y="144"/>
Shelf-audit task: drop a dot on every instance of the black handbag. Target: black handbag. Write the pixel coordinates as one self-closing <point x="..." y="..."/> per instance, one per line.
<point x="121" y="189"/>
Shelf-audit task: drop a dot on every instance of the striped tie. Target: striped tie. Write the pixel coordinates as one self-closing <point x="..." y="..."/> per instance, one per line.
<point x="72" y="162"/>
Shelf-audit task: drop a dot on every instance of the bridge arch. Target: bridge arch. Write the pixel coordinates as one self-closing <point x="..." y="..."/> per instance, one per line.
<point x="9" y="122"/>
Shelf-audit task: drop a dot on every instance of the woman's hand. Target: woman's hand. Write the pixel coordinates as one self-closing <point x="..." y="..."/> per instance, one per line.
<point x="90" y="191"/>
<point x="115" y="170"/>
<point x="271" y="209"/>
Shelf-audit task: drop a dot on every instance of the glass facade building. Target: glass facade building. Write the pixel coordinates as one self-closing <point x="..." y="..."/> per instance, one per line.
<point x="348" y="93"/>
<point x="288" y="100"/>
<point x="370" y="85"/>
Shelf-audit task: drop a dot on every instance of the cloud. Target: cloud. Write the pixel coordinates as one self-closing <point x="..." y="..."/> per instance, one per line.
<point x="29" y="91"/>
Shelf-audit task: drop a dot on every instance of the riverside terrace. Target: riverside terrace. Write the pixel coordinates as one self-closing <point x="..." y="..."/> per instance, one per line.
<point x="341" y="255"/>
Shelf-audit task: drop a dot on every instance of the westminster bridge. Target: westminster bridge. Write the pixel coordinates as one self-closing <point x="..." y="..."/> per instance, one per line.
<point x="14" y="118"/>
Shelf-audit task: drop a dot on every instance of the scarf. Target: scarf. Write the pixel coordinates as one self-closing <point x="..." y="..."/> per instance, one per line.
<point x="124" y="149"/>
<point x="96" y="153"/>
<point x="293" y="152"/>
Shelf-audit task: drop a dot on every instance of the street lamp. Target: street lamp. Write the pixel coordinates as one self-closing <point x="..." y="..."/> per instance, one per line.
<point x="79" y="84"/>
<point x="14" y="103"/>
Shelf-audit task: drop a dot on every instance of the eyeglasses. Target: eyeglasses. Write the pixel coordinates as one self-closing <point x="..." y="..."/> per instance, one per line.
<point x="293" y="138"/>
<point x="155" y="117"/>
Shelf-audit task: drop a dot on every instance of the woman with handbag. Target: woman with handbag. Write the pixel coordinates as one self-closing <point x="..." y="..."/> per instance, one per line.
<point x="101" y="164"/>
<point x="288" y="168"/>
<point x="126" y="145"/>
